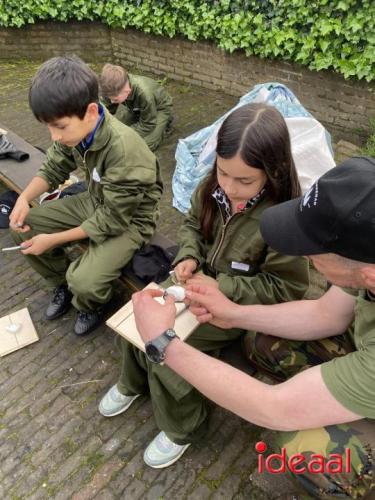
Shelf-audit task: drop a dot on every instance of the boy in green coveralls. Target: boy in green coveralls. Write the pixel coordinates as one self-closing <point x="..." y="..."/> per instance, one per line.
<point x="137" y="101"/>
<point x="322" y="352"/>
<point x="117" y="213"/>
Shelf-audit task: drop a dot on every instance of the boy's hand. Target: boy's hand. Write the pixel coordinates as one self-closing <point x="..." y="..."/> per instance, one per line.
<point x="202" y="279"/>
<point x="185" y="269"/>
<point x="152" y="318"/>
<point x="39" y="244"/>
<point x="18" y="215"/>
<point x="210" y="305"/>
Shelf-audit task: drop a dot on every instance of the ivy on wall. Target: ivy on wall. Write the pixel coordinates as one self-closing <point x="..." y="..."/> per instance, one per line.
<point x="320" y="34"/>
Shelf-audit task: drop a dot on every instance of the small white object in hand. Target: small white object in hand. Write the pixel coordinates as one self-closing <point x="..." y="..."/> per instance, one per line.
<point x="177" y="292"/>
<point x="13" y="327"/>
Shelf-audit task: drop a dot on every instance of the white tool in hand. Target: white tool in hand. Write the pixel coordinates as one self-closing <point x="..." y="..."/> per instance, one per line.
<point x="177" y="292"/>
<point x="8" y="249"/>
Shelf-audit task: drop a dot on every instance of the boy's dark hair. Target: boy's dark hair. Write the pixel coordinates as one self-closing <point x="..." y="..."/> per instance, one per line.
<point x="258" y="133"/>
<point x="62" y="86"/>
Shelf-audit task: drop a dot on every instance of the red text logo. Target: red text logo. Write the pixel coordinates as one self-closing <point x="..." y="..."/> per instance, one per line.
<point x="278" y="463"/>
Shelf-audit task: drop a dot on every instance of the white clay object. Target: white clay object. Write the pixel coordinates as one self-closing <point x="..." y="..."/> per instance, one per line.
<point x="13" y="327"/>
<point x="177" y="292"/>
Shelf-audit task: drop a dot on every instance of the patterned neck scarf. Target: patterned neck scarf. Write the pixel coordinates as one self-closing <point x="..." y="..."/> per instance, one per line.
<point x="224" y="202"/>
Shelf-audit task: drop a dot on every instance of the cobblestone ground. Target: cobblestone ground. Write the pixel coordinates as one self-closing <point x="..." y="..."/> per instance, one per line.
<point x="53" y="442"/>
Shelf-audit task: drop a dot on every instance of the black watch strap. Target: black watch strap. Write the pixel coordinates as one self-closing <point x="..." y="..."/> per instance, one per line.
<point x="155" y="349"/>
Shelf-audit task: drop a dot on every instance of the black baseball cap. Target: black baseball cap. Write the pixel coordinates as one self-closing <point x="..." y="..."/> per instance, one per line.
<point x="336" y="215"/>
<point x="7" y="201"/>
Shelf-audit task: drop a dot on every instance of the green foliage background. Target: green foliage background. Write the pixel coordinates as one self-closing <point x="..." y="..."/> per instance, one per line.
<point x="335" y="34"/>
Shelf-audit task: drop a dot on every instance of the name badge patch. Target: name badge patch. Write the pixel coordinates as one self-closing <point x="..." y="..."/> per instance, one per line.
<point x="240" y="266"/>
<point x="95" y="175"/>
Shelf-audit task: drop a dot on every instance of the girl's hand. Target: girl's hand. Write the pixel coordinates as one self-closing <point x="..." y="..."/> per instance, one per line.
<point x="185" y="269"/>
<point x="38" y="244"/>
<point x="202" y="279"/>
<point x="18" y="215"/>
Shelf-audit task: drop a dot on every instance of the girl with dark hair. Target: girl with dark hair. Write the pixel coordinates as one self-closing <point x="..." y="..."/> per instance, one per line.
<point x="220" y="237"/>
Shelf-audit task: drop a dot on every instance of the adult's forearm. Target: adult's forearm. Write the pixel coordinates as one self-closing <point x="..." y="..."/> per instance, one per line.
<point x="228" y="387"/>
<point x="299" y="320"/>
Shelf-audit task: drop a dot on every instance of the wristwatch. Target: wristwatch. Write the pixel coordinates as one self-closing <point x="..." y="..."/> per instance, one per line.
<point x="155" y="349"/>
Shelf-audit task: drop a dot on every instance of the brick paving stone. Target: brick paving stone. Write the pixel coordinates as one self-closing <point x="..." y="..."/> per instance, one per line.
<point x="183" y="481"/>
<point x="13" y="382"/>
<point x="161" y="480"/>
<point x="144" y="411"/>
<point x="150" y="475"/>
<point x="200" y="492"/>
<point x="100" y="479"/>
<point x="227" y="488"/>
<point x="29" y="483"/>
<point x="67" y="472"/>
<point x="10" y="480"/>
<point x="105" y="495"/>
<point x="271" y="484"/>
<point x="10" y="399"/>
<point x="55" y="440"/>
<point x="43" y="396"/>
<point x="228" y="455"/>
<point x="133" y="491"/>
<point x="108" y="426"/>
<point x="119" y="482"/>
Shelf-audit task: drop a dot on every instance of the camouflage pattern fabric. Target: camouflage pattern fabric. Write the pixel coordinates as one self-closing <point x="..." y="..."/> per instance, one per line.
<point x="281" y="359"/>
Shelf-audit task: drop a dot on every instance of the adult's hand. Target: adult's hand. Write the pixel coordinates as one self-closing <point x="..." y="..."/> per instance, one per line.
<point x="202" y="279"/>
<point x="210" y="305"/>
<point x="18" y="215"/>
<point x="185" y="269"/>
<point x="151" y="317"/>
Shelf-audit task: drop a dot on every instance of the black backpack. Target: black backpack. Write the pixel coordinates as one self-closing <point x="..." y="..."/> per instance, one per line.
<point x="151" y="263"/>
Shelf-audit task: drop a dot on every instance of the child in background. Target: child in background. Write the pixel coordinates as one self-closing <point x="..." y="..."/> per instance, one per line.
<point x="254" y="169"/>
<point x="139" y="102"/>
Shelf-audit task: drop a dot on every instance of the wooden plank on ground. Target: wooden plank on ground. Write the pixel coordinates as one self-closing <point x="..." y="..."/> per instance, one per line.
<point x="12" y="341"/>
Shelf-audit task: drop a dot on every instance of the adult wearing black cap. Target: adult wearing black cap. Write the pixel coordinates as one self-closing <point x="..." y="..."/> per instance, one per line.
<point x="326" y="410"/>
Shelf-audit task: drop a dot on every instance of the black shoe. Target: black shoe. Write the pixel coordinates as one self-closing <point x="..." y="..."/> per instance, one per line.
<point x="86" y="322"/>
<point x="60" y="302"/>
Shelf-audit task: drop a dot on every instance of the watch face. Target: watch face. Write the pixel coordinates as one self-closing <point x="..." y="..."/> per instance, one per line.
<point x="153" y="353"/>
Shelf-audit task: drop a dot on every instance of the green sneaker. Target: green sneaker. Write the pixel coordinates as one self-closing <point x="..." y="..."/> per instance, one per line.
<point x="162" y="452"/>
<point x="115" y="403"/>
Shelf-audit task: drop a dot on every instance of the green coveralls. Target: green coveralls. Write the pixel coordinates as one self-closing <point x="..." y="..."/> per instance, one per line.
<point x="348" y="369"/>
<point x="118" y="212"/>
<point x="147" y="110"/>
<point x="179" y="409"/>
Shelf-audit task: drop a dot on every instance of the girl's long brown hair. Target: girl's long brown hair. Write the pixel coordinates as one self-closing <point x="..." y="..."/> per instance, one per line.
<point x="258" y="133"/>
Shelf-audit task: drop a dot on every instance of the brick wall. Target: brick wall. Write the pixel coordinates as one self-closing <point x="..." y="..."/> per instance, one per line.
<point x="91" y="41"/>
<point x="343" y="106"/>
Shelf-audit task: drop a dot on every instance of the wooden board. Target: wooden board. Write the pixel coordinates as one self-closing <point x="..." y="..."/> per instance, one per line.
<point x="27" y="334"/>
<point x="17" y="175"/>
<point x="123" y="321"/>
